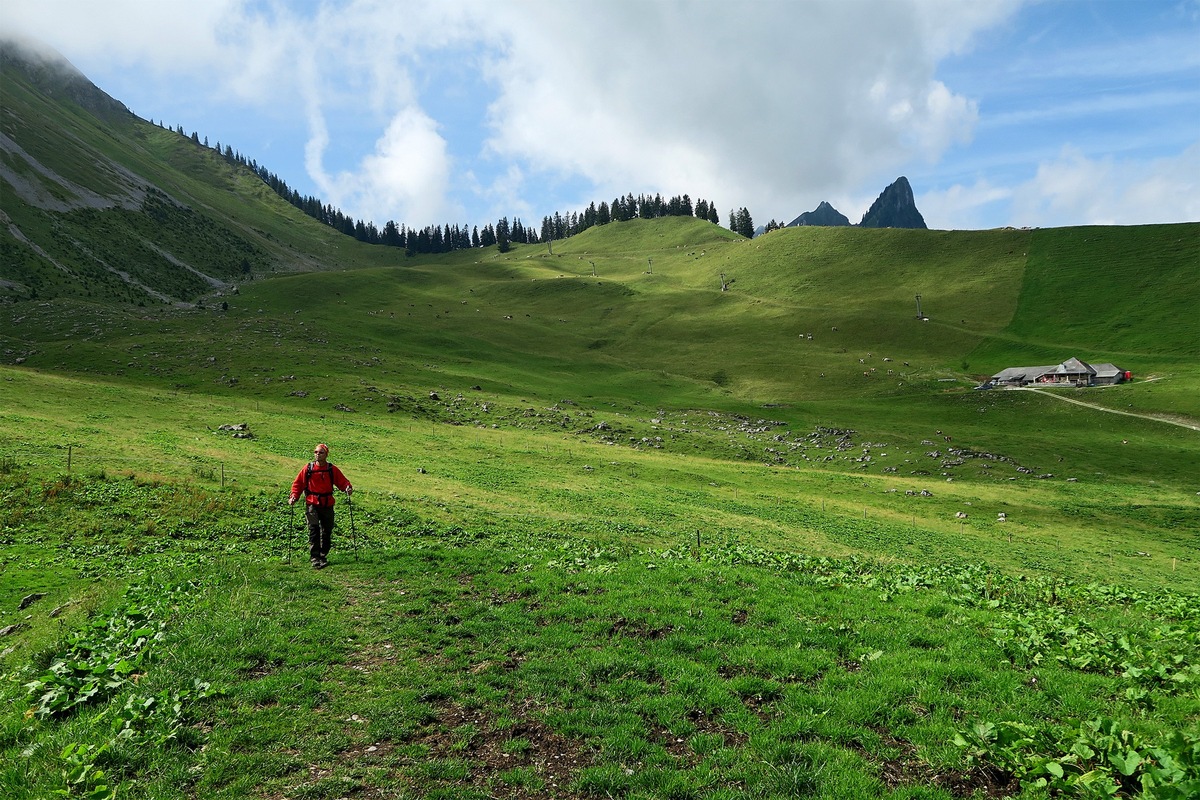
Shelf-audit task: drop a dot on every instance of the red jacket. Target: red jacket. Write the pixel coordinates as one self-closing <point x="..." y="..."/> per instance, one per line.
<point x="318" y="483"/>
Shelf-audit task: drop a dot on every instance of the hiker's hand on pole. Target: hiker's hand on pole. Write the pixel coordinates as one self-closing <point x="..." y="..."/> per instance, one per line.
<point x="291" y="501"/>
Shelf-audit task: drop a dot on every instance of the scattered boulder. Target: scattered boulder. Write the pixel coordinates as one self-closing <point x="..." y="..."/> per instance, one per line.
<point x="239" y="430"/>
<point x="54" y="614"/>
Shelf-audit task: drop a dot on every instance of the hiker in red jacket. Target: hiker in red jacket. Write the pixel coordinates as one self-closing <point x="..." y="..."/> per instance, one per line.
<point x="317" y="480"/>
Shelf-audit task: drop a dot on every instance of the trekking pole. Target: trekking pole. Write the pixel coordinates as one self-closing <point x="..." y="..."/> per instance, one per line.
<point x="300" y="530"/>
<point x="287" y="551"/>
<point x="353" y="534"/>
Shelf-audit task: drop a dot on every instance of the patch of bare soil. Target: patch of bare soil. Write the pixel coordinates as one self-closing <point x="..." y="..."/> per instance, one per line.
<point x="638" y="629"/>
<point x="711" y="724"/>
<point x="907" y="769"/>
<point x="492" y="749"/>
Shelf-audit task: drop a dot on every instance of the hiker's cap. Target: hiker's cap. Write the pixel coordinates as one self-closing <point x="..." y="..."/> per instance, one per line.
<point x="321" y="447"/>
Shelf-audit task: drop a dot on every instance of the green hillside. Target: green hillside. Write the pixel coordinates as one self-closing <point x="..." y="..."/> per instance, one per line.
<point x="653" y="511"/>
<point x="652" y="347"/>
<point x="108" y="207"/>
<point x="1112" y="293"/>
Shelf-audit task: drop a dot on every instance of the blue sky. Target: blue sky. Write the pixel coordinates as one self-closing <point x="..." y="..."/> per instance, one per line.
<point x="999" y="112"/>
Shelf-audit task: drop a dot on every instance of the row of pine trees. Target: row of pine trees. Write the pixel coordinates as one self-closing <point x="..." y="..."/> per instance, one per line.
<point x="445" y="238"/>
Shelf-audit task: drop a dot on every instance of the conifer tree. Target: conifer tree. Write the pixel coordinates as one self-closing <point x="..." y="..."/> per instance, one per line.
<point x="744" y="224"/>
<point x="502" y="235"/>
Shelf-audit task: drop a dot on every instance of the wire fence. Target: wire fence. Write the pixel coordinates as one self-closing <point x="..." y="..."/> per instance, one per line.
<point x="83" y="459"/>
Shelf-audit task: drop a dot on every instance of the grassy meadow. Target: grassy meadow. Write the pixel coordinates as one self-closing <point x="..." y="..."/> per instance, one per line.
<point x="617" y="532"/>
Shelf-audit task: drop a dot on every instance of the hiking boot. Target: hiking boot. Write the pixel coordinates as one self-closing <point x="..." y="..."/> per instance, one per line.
<point x="318" y="563"/>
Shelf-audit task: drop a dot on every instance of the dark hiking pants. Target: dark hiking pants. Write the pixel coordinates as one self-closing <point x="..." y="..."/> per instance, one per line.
<point x="320" y="530"/>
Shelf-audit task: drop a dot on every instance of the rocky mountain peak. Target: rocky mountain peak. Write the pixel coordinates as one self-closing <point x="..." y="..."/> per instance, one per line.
<point x="894" y="208"/>
<point x="824" y="214"/>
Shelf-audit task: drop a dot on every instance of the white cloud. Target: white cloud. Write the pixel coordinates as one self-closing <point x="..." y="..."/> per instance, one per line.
<point x="962" y="207"/>
<point x="1077" y="190"/>
<point x="409" y="166"/>
<point x="783" y="103"/>
<point x="951" y="26"/>
<point x="170" y="34"/>
<point x="775" y="104"/>
<point x="406" y="177"/>
<point x="933" y="122"/>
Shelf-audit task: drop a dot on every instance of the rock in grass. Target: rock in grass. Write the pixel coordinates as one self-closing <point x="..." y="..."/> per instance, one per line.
<point x="60" y="609"/>
<point x="29" y="600"/>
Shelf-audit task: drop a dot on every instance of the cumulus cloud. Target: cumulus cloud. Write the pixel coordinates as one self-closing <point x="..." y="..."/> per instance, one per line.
<point x="783" y="102"/>
<point x="408" y="169"/>
<point x="422" y="112"/>
<point x="962" y="207"/>
<point x="1076" y="190"/>
<point x="777" y="103"/>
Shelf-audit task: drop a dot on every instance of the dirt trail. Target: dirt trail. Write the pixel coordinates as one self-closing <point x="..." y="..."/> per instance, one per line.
<point x="1189" y="425"/>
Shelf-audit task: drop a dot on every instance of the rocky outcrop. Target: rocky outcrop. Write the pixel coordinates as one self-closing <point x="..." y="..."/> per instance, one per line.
<point x="894" y="208"/>
<point x="823" y="214"/>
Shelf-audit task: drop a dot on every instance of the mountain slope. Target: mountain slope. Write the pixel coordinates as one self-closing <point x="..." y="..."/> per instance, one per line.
<point x="100" y="204"/>
<point x="111" y="207"/>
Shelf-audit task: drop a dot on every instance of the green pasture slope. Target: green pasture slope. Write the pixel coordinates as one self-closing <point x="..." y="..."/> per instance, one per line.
<point x="112" y="208"/>
<point x="617" y="533"/>
<point x="656" y="512"/>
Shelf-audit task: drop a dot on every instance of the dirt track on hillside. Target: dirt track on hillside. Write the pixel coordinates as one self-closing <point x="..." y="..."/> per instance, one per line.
<point x="1182" y="423"/>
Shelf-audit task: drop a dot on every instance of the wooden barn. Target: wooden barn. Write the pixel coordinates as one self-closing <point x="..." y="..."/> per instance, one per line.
<point x="1071" y="372"/>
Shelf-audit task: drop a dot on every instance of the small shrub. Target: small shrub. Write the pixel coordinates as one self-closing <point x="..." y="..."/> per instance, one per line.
<point x="56" y="487"/>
